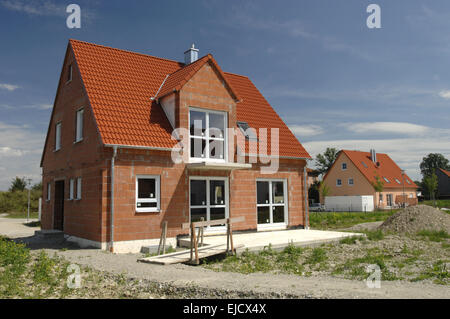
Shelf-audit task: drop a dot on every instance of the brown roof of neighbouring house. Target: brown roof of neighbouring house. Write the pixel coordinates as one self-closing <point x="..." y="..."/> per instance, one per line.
<point x="445" y="172"/>
<point x="120" y="85"/>
<point x="386" y="168"/>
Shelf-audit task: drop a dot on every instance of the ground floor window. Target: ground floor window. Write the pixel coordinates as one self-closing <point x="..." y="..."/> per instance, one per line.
<point x="208" y="198"/>
<point x="147" y="193"/>
<point x="389" y="199"/>
<point x="271" y="202"/>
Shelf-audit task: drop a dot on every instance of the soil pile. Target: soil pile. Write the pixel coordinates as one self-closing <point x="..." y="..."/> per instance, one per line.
<point x="416" y="218"/>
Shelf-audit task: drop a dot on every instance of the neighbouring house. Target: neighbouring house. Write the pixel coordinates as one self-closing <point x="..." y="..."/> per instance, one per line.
<point x="443" y="176"/>
<point x="354" y="173"/>
<point x="313" y="176"/>
<point x="117" y="163"/>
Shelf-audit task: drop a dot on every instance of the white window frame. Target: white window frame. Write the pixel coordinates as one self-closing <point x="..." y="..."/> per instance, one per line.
<point x="71" y="188"/>
<point x="208" y="205"/>
<point x="207" y="137"/>
<point x="79" y="124"/>
<point x="58" y="133"/>
<point x="271" y="205"/>
<point x="337" y="184"/>
<point x="342" y="166"/>
<point x="156" y="199"/>
<point x="352" y="183"/>
<point x="389" y="200"/>
<point x="49" y="190"/>
<point x="79" y="188"/>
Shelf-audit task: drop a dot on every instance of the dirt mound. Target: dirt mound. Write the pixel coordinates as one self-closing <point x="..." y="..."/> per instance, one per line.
<point x="416" y="218"/>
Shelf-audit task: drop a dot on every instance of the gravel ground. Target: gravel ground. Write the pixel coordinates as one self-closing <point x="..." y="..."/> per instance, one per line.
<point x="183" y="281"/>
<point x="416" y="218"/>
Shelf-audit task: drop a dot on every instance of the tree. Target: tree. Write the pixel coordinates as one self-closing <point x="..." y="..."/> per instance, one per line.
<point x="325" y="161"/>
<point x="18" y="184"/>
<point x="37" y="186"/>
<point x="431" y="184"/>
<point x="378" y="186"/>
<point x="431" y="162"/>
<point x="313" y="192"/>
<point x="324" y="189"/>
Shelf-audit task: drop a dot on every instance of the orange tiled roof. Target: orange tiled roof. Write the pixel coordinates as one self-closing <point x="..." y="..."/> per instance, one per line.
<point x="445" y="172"/>
<point x="387" y="169"/>
<point x="120" y="85"/>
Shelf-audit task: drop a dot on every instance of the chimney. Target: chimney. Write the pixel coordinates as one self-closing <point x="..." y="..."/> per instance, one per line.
<point x="373" y="156"/>
<point x="191" y="55"/>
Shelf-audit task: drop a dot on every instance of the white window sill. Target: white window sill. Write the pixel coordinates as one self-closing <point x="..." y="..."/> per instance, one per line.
<point x="56" y="150"/>
<point x="78" y="141"/>
<point x="148" y="211"/>
<point x="67" y="82"/>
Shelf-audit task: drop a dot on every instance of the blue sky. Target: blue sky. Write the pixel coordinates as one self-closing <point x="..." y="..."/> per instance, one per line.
<point x="334" y="81"/>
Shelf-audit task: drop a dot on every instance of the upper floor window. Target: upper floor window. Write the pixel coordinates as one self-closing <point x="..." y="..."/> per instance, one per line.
<point x="338" y="182"/>
<point x="48" y="191"/>
<point x="58" y="136"/>
<point x="79" y="126"/>
<point x="350" y="181"/>
<point x="69" y="73"/>
<point x="344" y="166"/>
<point x="207" y="134"/>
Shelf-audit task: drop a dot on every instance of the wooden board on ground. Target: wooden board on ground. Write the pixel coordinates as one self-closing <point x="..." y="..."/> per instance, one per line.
<point x="185" y="256"/>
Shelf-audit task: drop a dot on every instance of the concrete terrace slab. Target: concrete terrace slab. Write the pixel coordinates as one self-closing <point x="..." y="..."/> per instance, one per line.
<point x="255" y="241"/>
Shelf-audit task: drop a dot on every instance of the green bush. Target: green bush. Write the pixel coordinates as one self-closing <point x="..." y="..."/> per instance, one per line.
<point x="17" y="202"/>
<point x="434" y="235"/>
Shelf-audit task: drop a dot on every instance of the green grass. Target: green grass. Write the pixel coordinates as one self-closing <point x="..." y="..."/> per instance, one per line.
<point x="440" y="203"/>
<point x="434" y="235"/>
<point x="374" y="234"/>
<point x="334" y="220"/>
<point x="438" y="272"/>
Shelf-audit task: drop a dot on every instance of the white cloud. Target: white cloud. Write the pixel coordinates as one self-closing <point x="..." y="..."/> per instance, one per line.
<point x="386" y="127"/>
<point x="306" y="130"/>
<point x="445" y="94"/>
<point x="37" y="7"/>
<point x="9" y="87"/>
<point x="20" y="153"/>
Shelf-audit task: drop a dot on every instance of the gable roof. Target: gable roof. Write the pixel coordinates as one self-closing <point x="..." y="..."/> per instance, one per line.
<point x="387" y="169"/>
<point x="445" y="172"/>
<point x="120" y="85"/>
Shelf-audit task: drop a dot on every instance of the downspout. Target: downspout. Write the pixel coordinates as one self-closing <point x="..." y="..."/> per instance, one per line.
<point x="305" y="189"/>
<point x="111" y="243"/>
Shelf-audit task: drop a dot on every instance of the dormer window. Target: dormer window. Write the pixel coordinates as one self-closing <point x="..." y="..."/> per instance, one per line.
<point x="247" y="131"/>
<point x="207" y="134"/>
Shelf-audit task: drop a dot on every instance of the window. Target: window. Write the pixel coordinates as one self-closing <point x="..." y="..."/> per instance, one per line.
<point x="69" y="73"/>
<point x="79" y="126"/>
<point x="338" y="182"/>
<point x="398" y="182"/>
<point x="389" y="199"/>
<point x="408" y="182"/>
<point x="147" y="193"/>
<point x="58" y="136"/>
<point x="48" y="191"/>
<point x="381" y="198"/>
<point x="79" y="188"/>
<point x="271" y="201"/>
<point x="71" y="188"/>
<point x="350" y="181"/>
<point x="207" y="134"/>
<point x="344" y="166"/>
<point x="247" y="131"/>
<point x="411" y="195"/>
<point x="387" y="181"/>
<point x="208" y="198"/>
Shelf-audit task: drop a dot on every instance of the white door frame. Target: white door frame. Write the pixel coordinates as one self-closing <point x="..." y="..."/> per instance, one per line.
<point x="208" y="205"/>
<point x="272" y="225"/>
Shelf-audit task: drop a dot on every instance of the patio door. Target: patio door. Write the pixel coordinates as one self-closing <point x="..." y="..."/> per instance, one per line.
<point x="208" y="199"/>
<point x="271" y="205"/>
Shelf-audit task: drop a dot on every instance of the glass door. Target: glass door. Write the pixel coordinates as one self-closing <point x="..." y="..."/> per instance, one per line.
<point x="271" y="203"/>
<point x="208" y="198"/>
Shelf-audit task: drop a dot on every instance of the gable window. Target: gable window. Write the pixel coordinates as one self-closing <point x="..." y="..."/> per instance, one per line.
<point x="48" y="191"/>
<point x="338" y="182"/>
<point x="69" y="73"/>
<point x="207" y="134"/>
<point x="71" y="188"/>
<point x="344" y="166"/>
<point x="79" y="126"/>
<point x="350" y="181"/>
<point x="58" y="136"/>
<point x="147" y="193"/>
<point x="79" y="188"/>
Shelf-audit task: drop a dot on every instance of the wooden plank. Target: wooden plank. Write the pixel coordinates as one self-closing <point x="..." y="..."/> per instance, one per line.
<point x="213" y="222"/>
<point x="180" y="257"/>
